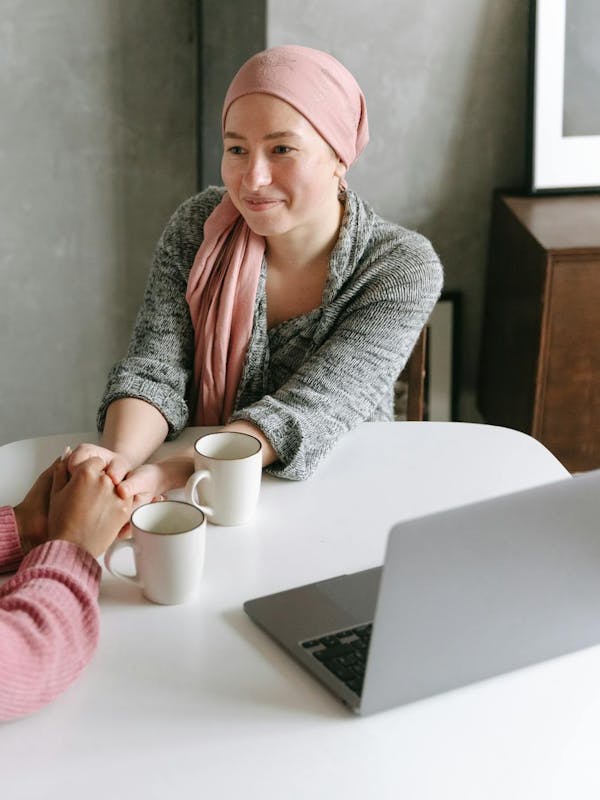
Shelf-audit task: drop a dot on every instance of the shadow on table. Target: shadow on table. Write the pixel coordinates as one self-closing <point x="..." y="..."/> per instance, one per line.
<point x="285" y="684"/>
<point x="211" y="676"/>
<point x="114" y="591"/>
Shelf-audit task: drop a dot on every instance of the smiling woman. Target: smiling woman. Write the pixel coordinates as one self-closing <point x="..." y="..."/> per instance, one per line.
<point x="279" y="304"/>
<point x="281" y="175"/>
<point x="284" y="179"/>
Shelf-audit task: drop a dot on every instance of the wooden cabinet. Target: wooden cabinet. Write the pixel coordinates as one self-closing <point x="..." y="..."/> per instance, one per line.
<point x="540" y="355"/>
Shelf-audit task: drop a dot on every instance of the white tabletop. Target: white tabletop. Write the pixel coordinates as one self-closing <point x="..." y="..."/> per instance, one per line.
<point x="194" y="701"/>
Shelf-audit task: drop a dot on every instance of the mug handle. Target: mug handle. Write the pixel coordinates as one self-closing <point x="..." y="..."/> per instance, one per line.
<point x="120" y="544"/>
<point x="190" y="490"/>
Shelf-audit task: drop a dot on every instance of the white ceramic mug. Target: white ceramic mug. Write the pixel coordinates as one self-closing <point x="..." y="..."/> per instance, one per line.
<point x="226" y="483"/>
<point x="168" y="540"/>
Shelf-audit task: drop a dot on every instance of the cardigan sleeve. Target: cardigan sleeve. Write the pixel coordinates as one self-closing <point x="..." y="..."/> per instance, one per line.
<point x="346" y="379"/>
<point x="49" y="621"/>
<point x="159" y="362"/>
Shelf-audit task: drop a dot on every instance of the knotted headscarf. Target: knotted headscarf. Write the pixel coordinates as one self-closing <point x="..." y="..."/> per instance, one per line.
<point x="222" y="283"/>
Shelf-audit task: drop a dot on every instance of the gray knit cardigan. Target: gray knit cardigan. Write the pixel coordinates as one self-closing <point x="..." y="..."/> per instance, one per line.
<point x="308" y="380"/>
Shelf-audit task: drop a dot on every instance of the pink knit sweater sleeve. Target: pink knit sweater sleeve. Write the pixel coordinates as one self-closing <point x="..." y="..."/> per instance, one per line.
<point x="49" y="619"/>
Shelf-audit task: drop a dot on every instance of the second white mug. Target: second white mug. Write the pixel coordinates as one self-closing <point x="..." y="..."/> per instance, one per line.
<point x="168" y="546"/>
<point x="226" y="483"/>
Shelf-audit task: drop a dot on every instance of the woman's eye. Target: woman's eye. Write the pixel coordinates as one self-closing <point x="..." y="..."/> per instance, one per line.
<point x="236" y="150"/>
<point x="282" y="149"/>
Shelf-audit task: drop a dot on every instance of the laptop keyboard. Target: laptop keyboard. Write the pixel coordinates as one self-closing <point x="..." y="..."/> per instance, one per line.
<point x="344" y="653"/>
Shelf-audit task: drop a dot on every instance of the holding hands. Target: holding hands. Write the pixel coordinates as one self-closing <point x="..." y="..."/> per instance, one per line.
<point x="32" y="512"/>
<point x="83" y="507"/>
<point x="116" y="465"/>
<point x="143" y="483"/>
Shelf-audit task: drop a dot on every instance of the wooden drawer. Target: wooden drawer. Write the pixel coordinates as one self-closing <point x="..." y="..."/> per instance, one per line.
<point x="540" y="354"/>
<point x="567" y="405"/>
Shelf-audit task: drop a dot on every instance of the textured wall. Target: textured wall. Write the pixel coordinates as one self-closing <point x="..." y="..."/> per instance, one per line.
<point x="224" y="45"/>
<point x="97" y="147"/>
<point x="445" y="82"/>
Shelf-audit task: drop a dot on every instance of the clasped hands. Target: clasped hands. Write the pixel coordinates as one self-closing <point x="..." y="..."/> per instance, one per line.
<point x="142" y="483"/>
<point x="87" y="497"/>
<point x="79" y="506"/>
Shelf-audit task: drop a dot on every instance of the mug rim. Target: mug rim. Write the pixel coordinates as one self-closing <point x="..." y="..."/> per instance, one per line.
<point x="220" y="433"/>
<point x="171" y="502"/>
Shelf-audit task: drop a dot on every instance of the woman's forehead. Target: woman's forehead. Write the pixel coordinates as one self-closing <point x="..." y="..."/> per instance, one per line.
<point x="266" y="112"/>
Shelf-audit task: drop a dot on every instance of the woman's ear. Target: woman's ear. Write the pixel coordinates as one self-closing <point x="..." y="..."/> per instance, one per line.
<point x="340" y="169"/>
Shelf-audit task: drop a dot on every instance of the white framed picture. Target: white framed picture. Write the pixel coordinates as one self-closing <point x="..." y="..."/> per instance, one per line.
<point x="564" y="112"/>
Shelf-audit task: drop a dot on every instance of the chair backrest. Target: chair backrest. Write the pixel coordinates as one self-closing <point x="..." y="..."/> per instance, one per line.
<point x="413" y="375"/>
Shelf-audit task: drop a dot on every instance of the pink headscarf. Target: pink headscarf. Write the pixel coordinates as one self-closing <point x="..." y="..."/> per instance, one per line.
<point x="222" y="283"/>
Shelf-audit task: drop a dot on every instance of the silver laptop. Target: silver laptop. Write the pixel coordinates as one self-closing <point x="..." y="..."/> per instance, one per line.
<point x="463" y="595"/>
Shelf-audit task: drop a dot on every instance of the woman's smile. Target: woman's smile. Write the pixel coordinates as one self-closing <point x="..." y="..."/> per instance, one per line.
<point x="261" y="204"/>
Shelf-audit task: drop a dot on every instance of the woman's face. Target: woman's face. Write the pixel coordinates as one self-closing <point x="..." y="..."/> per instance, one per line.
<point x="280" y="174"/>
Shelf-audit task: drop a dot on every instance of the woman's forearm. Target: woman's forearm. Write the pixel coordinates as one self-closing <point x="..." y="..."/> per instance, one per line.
<point x="134" y="429"/>
<point x="244" y="426"/>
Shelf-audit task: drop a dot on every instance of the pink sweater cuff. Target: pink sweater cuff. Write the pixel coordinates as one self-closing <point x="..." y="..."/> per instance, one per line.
<point x="81" y="566"/>
<point x="11" y="552"/>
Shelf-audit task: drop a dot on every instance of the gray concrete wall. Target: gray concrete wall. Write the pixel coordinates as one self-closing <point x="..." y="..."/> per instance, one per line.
<point x="97" y="147"/>
<point x="224" y="45"/>
<point x="445" y="82"/>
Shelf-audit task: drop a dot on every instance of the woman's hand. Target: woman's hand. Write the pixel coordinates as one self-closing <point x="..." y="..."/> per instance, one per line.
<point x="32" y="512"/>
<point x="85" y="508"/>
<point x="116" y="465"/>
<point x="154" y="480"/>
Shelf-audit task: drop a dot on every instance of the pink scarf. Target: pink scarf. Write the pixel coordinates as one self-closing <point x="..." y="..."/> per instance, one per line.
<point x="222" y="283"/>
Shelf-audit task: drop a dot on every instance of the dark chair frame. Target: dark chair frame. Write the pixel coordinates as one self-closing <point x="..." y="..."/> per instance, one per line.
<point x="413" y="375"/>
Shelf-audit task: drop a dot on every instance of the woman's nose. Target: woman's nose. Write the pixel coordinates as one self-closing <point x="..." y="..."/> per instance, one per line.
<point x="258" y="173"/>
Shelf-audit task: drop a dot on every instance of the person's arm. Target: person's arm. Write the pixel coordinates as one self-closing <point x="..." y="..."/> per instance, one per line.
<point x="49" y="609"/>
<point x="133" y="431"/>
<point x="159" y="362"/>
<point x="345" y="380"/>
<point x="145" y="400"/>
<point x="48" y="626"/>
<point x="134" y="428"/>
<point x="11" y="547"/>
<point x="269" y="455"/>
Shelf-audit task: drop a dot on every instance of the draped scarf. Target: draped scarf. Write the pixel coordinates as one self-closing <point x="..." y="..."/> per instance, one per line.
<point x="223" y="280"/>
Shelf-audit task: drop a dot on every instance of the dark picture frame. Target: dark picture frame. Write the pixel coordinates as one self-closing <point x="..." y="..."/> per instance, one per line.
<point x="564" y="97"/>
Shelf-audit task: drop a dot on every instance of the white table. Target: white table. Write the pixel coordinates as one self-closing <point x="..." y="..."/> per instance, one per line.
<point x="194" y="701"/>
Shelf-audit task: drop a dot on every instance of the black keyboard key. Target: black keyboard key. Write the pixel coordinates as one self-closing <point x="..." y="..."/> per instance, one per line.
<point x="358" y="670"/>
<point x="356" y="685"/>
<point x="333" y="652"/>
<point x="340" y="671"/>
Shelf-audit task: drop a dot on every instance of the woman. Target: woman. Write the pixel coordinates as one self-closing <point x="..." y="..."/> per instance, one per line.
<point x="49" y="609"/>
<point x="280" y="305"/>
